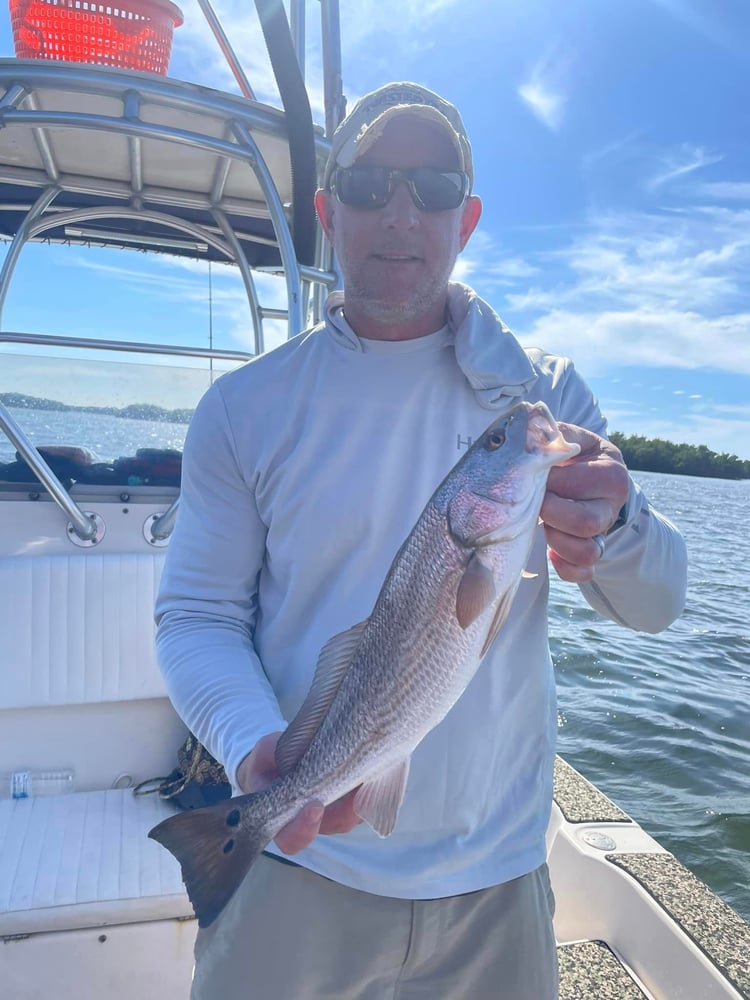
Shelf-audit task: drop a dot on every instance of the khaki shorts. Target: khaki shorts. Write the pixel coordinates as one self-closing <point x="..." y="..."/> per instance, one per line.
<point x="289" y="934"/>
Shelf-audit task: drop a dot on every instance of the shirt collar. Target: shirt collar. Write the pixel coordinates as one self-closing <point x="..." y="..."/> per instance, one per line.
<point x="493" y="361"/>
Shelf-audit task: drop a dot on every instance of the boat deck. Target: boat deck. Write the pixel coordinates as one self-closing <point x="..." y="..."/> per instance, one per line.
<point x="589" y="970"/>
<point x="133" y="886"/>
<point x="706" y="930"/>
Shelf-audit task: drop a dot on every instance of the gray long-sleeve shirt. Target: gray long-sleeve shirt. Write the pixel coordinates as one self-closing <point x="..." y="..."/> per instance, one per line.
<point x="303" y="473"/>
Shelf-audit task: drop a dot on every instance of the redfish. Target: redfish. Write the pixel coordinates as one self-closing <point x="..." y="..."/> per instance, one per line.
<point x="382" y="685"/>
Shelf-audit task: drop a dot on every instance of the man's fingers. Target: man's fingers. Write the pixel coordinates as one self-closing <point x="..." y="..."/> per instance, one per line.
<point x="590" y="443"/>
<point x="590" y="480"/>
<point x="583" y="552"/>
<point x="314" y="818"/>
<point x="570" y="572"/>
<point x="581" y="518"/>
<point x="340" y="816"/>
<point x="298" y="833"/>
<point x="258" y="770"/>
<point x="583" y="499"/>
<point x="597" y="472"/>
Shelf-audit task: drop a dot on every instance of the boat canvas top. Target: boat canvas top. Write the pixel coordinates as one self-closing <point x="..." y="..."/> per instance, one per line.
<point x="113" y="151"/>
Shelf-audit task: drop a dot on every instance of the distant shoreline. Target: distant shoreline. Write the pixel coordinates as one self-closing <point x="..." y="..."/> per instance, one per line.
<point x="656" y="455"/>
<point x="641" y="454"/>
<point x="135" y="411"/>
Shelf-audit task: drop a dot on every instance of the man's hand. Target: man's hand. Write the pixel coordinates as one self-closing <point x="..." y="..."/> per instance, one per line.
<point x="584" y="497"/>
<point x="258" y="770"/>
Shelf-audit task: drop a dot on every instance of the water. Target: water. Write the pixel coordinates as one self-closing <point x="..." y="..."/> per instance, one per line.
<point x="106" y="437"/>
<point x="660" y="723"/>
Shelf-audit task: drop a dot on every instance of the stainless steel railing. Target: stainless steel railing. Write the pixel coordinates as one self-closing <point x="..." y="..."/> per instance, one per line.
<point x="81" y="524"/>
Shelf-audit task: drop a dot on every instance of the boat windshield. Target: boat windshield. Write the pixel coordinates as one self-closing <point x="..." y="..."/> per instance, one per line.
<point x="104" y="422"/>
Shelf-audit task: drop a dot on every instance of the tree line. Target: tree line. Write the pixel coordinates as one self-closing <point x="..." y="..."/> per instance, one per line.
<point x="656" y="455"/>
<point x="134" y="411"/>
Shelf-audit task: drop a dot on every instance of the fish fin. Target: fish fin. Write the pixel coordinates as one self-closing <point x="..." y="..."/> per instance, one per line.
<point x="498" y="620"/>
<point x="476" y="591"/>
<point x="525" y="575"/>
<point x="333" y="662"/>
<point x="378" y="801"/>
<point x="214" y="855"/>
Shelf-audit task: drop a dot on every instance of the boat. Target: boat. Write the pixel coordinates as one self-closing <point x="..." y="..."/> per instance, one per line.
<point x="90" y="908"/>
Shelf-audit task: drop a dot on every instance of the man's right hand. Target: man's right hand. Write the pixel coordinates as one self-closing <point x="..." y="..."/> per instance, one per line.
<point x="258" y="770"/>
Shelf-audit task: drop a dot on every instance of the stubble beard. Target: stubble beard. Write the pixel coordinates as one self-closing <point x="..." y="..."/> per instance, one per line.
<point x="378" y="308"/>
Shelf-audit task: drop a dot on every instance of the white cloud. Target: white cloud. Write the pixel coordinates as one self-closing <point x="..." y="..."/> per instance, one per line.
<point x="544" y="90"/>
<point x="497" y="268"/>
<point x="601" y="342"/>
<point x="360" y="24"/>
<point x="615" y="149"/>
<point x="195" y="44"/>
<point x="659" y="289"/>
<point x="723" y="432"/>
<point x="546" y="105"/>
<point x="679" y="162"/>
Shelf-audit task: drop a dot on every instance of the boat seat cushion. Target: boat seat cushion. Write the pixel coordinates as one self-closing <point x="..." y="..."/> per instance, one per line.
<point x="85" y="860"/>
<point x="78" y="629"/>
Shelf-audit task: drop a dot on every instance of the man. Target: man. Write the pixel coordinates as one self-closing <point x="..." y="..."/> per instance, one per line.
<point x="303" y="473"/>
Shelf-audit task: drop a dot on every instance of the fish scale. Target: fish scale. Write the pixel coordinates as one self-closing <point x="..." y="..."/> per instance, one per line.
<point x="380" y="687"/>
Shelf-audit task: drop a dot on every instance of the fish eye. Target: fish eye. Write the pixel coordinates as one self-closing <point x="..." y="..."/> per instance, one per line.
<point x="494" y="440"/>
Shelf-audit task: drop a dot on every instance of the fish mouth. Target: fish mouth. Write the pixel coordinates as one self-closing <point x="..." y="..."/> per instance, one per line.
<point x="541" y="428"/>
<point x="544" y="436"/>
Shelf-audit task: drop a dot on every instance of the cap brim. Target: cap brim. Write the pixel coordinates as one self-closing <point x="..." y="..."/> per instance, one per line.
<point x="355" y="146"/>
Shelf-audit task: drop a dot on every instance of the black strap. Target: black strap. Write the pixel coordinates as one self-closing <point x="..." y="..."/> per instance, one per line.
<point x="296" y="105"/>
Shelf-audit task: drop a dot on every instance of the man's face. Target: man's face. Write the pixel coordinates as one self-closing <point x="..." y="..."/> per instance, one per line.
<point x="396" y="260"/>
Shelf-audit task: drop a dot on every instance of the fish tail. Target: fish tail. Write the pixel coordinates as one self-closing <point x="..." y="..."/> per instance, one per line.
<point x="214" y="853"/>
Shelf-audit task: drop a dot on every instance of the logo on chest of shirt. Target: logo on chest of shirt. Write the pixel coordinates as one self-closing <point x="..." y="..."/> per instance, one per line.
<point x="463" y="442"/>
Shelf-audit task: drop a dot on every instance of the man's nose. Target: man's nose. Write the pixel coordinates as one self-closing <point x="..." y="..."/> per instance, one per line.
<point x="400" y="211"/>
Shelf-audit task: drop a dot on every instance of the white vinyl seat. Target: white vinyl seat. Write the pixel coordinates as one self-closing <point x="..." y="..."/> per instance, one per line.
<point x="85" y="860"/>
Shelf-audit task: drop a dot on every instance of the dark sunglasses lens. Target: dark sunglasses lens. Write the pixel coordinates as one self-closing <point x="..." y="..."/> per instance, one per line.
<point x="371" y="187"/>
<point x="363" y="187"/>
<point x="439" y="190"/>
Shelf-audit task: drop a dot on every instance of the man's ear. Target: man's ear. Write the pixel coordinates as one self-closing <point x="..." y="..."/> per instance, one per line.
<point x="324" y="208"/>
<point x="471" y="212"/>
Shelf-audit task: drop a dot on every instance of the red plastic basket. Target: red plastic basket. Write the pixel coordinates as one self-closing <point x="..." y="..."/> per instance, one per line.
<point x="135" y="34"/>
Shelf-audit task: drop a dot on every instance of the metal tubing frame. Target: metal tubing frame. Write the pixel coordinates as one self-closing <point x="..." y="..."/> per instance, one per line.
<point x="335" y="103"/>
<point x="297" y="29"/>
<point x="83" y="526"/>
<point x="131" y="126"/>
<point x="87" y="214"/>
<point x="228" y="52"/>
<point x="19" y="240"/>
<point x="163" y="526"/>
<point x="247" y="277"/>
<point x="286" y="246"/>
<point x="125" y="346"/>
<point x="250" y="116"/>
<point x="244" y="149"/>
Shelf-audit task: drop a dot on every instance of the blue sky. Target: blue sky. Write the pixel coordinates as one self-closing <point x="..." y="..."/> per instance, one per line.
<point x="612" y="155"/>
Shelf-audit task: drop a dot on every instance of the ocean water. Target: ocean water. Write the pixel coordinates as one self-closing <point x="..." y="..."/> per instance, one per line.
<point x="106" y="437"/>
<point x="660" y="723"/>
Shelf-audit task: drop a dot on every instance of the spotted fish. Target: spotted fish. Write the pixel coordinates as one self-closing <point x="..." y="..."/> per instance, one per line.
<point x="382" y="685"/>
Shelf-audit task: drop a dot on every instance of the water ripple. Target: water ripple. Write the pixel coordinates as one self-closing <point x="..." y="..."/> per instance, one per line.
<point x="662" y="723"/>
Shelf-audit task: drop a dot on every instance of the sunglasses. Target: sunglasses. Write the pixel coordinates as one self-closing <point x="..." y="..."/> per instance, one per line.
<point x="372" y="187"/>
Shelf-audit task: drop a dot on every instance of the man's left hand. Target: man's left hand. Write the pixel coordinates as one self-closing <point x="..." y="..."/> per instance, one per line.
<point x="584" y="497"/>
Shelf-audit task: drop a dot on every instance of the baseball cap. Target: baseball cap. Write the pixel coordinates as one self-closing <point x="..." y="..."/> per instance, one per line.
<point x="365" y="123"/>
